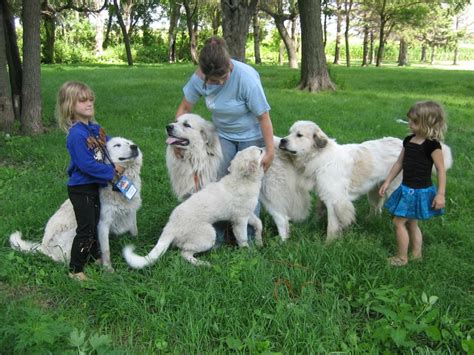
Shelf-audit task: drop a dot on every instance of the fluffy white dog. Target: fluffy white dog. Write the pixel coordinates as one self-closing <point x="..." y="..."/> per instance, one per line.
<point x="233" y="198"/>
<point x="118" y="214"/>
<point x="344" y="172"/>
<point x="193" y="158"/>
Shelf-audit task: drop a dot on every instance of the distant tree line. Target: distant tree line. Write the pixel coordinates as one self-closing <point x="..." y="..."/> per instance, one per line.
<point x="56" y="28"/>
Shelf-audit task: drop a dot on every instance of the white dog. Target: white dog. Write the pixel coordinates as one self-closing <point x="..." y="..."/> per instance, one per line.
<point x="342" y="173"/>
<point x="233" y="198"/>
<point x="118" y="214"/>
<point x="193" y="158"/>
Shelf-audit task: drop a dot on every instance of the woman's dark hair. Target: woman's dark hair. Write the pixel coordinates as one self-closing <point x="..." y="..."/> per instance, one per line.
<point x="214" y="59"/>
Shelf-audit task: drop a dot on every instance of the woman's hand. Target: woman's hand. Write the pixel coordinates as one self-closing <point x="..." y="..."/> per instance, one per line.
<point x="438" y="202"/>
<point x="267" y="159"/>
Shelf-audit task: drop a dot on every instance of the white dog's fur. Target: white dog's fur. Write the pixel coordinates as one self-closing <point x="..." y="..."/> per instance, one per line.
<point x="193" y="158"/>
<point x="117" y="213"/>
<point x="344" y="172"/>
<point x="233" y="198"/>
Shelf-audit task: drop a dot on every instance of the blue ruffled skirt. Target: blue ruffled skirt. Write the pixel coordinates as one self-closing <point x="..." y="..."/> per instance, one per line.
<point x="413" y="203"/>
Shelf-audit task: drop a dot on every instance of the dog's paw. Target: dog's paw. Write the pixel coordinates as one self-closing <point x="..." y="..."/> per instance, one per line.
<point x="109" y="268"/>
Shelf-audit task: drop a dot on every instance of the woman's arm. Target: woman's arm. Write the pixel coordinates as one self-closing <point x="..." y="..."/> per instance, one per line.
<point x="267" y="132"/>
<point x="438" y="160"/>
<point x="394" y="171"/>
<point x="184" y="107"/>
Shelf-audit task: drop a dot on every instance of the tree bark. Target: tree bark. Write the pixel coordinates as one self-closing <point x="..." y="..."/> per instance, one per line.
<point x="337" y="49"/>
<point x="381" y="48"/>
<point x="174" y="17"/>
<point x="237" y="15"/>
<point x="126" y="38"/>
<point x="7" y="116"/>
<point x="191" y="23"/>
<point x="371" y="47"/>
<point x="365" y="48"/>
<point x="314" y="71"/>
<point x="347" y="8"/>
<point x="423" y="54"/>
<point x="13" y="58"/>
<point x="31" y="87"/>
<point x="403" y="53"/>
<point x="256" y="38"/>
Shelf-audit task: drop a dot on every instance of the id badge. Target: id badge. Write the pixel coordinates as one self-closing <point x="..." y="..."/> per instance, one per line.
<point x="126" y="187"/>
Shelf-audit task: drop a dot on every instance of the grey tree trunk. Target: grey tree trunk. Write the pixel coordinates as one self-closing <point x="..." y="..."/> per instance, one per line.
<point x="371" y="47"/>
<point x="347" y="8"/>
<point x="7" y="116"/>
<point x="30" y="118"/>
<point x="126" y="38"/>
<point x="256" y="38"/>
<point x="365" y="48"/>
<point x="423" y="54"/>
<point x="174" y="18"/>
<point x="337" y="49"/>
<point x="314" y="71"/>
<point x="191" y="23"/>
<point x="403" y="53"/>
<point x="13" y="58"/>
<point x="236" y="18"/>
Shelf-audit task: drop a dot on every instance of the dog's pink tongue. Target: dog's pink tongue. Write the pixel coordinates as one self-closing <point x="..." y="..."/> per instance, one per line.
<point x="171" y="140"/>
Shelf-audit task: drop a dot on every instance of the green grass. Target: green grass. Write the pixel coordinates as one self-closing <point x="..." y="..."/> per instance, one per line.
<point x="299" y="297"/>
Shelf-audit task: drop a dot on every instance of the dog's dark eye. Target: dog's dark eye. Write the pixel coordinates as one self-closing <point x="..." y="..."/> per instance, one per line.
<point x="117" y="145"/>
<point x="299" y="135"/>
<point x="187" y="125"/>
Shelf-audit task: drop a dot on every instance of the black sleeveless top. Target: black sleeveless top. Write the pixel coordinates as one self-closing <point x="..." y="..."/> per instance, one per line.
<point x="417" y="162"/>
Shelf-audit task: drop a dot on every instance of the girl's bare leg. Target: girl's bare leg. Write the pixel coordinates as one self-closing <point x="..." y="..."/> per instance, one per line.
<point x="403" y="241"/>
<point x="416" y="238"/>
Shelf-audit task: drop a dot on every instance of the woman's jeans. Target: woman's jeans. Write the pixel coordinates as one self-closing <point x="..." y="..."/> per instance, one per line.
<point x="229" y="150"/>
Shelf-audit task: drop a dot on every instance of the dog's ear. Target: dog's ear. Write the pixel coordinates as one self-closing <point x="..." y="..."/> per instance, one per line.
<point x="320" y="140"/>
<point x="210" y="137"/>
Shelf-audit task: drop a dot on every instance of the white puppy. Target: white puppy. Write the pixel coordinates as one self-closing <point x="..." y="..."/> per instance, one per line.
<point x="341" y="173"/>
<point x="193" y="158"/>
<point x="118" y="214"/>
<point x="233" y="198"/>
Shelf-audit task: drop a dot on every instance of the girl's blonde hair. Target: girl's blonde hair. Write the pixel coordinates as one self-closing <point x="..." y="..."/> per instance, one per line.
<point x="69" y="93"/>
<point x="431" y="118"/>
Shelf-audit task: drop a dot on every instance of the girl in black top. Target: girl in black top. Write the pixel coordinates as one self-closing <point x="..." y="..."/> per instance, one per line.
<point x="417" y="198"/>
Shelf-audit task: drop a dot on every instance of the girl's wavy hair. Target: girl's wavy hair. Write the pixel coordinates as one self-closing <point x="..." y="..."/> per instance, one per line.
<point x="214" y="58"/>
<point x="431" y="117"/>
<point x="70" y="93"/>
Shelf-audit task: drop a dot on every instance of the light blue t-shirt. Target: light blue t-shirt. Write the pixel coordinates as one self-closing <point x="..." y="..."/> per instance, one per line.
<point x="234" y="105"/>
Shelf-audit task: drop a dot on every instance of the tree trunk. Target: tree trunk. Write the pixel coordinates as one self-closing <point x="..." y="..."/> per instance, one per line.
<point x="423" y="54"/>
<point x="289" y="45"/>
<point x="126" y="38"/>
<point x="347" y="8"/>
<point x="432" y="59"/>
<point x="174" y="18"/>
<point x="50" y="31"/>
<point x="191" y="23"/>
<point x="456" y="54"/>
<point x="314" y="71"/>
<point x="7" y="116"/>
<point x="100" y="19"/>
<point x="365" y="48"/>
<point x="256" y="38"/>
<point x="13" y="58"/>
<point x="237" y="15"/>
<point x="31" y="87"/>
<point x="381" y="49"/>
<point x="371" y="47"/>
<point x="403" y="53"/>
<point x="337" y="49"/>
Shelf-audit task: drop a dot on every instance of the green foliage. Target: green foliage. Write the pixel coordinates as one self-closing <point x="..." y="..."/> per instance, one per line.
<point x="298" y="297"/>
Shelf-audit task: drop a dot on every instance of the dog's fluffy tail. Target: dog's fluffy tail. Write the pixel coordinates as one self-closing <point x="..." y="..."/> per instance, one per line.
<point x="448" y="156"/>
<point x="139" y="262"/>
<point x="17" y="243"/>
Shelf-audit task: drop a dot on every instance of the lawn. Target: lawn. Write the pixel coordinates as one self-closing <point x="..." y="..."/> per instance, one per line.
<point x="302" y="296"/>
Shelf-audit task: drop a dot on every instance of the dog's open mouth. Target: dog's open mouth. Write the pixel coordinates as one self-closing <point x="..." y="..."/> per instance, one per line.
<point x="171" y="140"/>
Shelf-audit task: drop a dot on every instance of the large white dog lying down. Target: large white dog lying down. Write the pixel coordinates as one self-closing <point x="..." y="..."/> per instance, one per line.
<point x="193" y="158"/>
<point x="233" y="198"/>
<point x="344" y="172"/>
<point x="117" y="213"/>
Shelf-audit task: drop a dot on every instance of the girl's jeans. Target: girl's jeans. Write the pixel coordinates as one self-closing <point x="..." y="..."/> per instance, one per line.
<point x="229" y="150"/>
